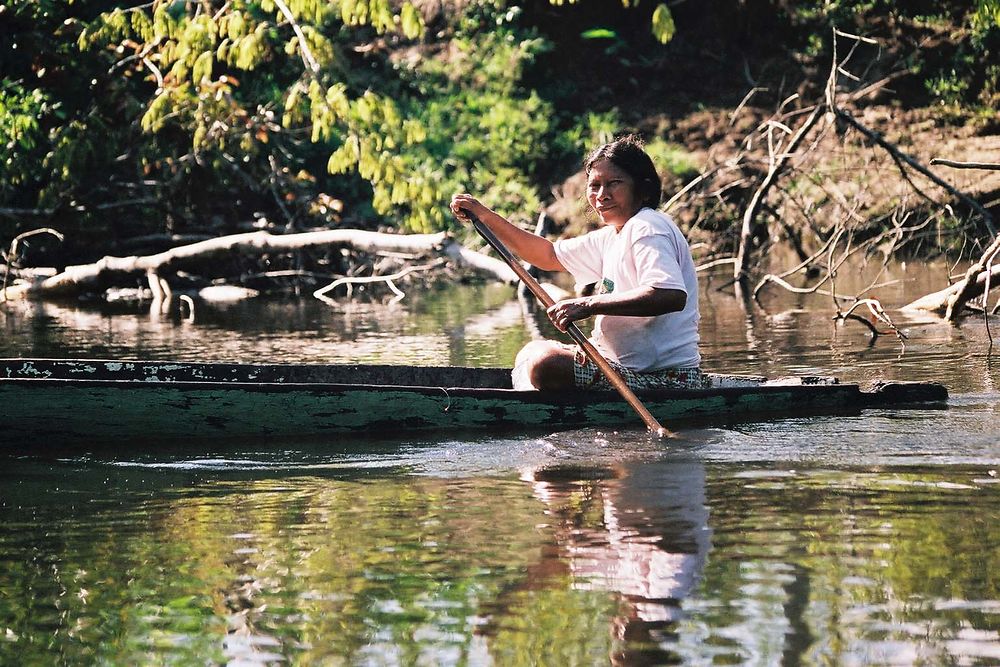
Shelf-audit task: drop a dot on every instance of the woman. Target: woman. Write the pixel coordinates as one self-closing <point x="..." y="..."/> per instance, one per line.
<point x="646" y="302"/>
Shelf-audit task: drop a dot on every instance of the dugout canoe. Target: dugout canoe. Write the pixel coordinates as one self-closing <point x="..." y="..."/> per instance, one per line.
<point x="57" y="400"/>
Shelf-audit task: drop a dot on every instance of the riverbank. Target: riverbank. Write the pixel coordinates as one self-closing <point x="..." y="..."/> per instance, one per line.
<point x="840" y="181"/>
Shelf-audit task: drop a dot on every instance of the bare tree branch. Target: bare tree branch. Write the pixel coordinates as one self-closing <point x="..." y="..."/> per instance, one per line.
<point x="321" y="293"/>
<point x="911" y="162"/>
<point x="777" y="165"/>
<point x="965" y="165"/>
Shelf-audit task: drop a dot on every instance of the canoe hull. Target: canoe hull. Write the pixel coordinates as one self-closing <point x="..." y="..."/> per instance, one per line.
<point x="53" y="401"/>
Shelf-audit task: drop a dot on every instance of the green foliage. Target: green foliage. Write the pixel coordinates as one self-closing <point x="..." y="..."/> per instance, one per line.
<point x="672" y="159"/>
<point x="61" y="151"/>
<point x="984" y="23"/>
<point x="254" y="82"/>
<point x="239" y="89"/>
<point x="20" y="132"/>
<point x="592" y="129"/>
<point x="599" y="33"/>
<point x="989" y="97"/>
<point x="271" y="94"/>
<point x="959" y="41"/>
<point x="470" y="128"/>
<point x="948" y="88"/>
<point x="206" y="114"/>
<point x="984" y="20"/>
<point x="486" y="135"/>
<point x="663" y="24"/>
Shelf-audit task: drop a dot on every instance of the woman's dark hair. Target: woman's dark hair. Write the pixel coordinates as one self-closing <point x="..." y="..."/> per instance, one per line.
<point x="627" y="154"/>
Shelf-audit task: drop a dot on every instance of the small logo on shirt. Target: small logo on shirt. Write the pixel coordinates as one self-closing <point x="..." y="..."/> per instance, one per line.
<point x="607" y="286"/>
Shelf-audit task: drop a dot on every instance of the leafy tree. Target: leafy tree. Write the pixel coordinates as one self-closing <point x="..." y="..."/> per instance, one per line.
<point x="951" y="47"/>
<point x="278" y="94"/>
<point x="266" y="89"/>
<point x="185" y="115"/>
<point x="61" y="156"/>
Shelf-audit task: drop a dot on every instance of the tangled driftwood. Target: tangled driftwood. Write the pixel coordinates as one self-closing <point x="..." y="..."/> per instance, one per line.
<point x="977" y="281"/>
<point x="786" y="151"/>
<point x="74" y="279"/>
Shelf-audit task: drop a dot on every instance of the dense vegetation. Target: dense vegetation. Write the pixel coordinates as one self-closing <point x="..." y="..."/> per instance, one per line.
<point x="199" y="117"/>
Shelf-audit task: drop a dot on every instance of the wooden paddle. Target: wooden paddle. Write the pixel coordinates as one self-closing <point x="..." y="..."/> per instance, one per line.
<point x="574" y="331"/>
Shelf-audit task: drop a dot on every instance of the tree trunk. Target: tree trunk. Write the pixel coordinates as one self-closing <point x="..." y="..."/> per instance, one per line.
<point x="956" y="295"/>
<point x="74" y="278"/>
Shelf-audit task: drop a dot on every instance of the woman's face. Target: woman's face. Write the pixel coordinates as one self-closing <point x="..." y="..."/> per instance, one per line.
<point x="611" y="191"/>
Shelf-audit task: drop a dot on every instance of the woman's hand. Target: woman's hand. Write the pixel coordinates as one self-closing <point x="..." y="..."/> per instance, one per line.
<point x="533" y="249"/>
<point x="563" y="313"/>
<point x="464" y="204"/>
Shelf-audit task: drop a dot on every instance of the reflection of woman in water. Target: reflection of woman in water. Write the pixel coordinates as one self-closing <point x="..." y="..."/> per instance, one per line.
<point x="650" y="545"/>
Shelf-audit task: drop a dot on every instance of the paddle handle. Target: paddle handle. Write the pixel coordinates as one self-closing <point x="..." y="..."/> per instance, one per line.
<point x="574" y="331"/>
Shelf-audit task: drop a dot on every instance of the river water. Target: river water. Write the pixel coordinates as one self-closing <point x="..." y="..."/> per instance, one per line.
<point x="863" y="539"/>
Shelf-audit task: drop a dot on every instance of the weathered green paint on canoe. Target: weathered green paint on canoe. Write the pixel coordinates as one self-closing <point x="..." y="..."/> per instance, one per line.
<point x="72" y="400"/>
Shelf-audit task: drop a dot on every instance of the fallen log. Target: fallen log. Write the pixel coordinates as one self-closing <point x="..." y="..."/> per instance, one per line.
<point x="74" y="279"/>
<point x="937" y="302"/>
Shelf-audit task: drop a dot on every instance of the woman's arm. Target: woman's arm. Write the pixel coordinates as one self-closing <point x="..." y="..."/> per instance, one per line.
<point x="638" y="302"/>
<point x="530" y="247"/>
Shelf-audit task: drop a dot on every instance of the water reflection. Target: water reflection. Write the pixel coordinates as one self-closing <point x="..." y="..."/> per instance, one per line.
<point x="850" y="567"/>
<point x="462" y="325"/>
<point x="662" y="559"/>
<point x="855" y="539"/>
<point x="640" y="547"/>
<point x="638" y="531"/>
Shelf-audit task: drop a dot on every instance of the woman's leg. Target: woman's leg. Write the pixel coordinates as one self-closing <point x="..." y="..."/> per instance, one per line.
<point x="548" y="364"/>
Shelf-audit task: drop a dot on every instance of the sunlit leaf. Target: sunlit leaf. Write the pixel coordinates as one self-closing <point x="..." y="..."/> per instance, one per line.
<point x="663" y="24"/>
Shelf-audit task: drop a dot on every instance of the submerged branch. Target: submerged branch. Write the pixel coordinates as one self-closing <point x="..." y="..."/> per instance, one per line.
<point x="350" y="281"/>
<point x="11" y="256"/>
<point x="878" y="314"/>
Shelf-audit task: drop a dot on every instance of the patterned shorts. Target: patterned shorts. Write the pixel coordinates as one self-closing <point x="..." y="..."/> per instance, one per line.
<point x="586" y="375"/>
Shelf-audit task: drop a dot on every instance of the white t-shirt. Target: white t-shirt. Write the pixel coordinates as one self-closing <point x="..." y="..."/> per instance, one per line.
<point x="649" y="251"/>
